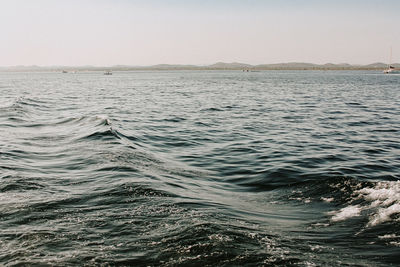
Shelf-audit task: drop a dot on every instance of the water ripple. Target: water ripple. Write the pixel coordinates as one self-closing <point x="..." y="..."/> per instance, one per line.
<point x="199" y="168"/>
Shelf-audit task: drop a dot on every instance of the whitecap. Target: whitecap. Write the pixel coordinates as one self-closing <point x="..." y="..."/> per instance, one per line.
<point x="384" y="214"/>
<point x="381" y="203"/>
<point x="327" y="199"/>
<point x="345" y="213"/>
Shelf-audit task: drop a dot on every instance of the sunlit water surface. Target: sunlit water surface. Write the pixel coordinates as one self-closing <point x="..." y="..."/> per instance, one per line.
<point x="200" y="168"/>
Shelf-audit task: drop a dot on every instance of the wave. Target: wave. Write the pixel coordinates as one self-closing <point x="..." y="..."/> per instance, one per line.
<point x="294" y="171"/>
<point x="109" y="134"/>
<point x="372" y="202"/>
<point x="212" y="109"/>
<point x="175" y="119"/>
<point x="18" y="184"/>
<point x="24" y="102"/>
<point x="380" y="203"/>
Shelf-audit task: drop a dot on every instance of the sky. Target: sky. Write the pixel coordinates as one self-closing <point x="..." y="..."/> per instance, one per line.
<point x="148" y="32"/>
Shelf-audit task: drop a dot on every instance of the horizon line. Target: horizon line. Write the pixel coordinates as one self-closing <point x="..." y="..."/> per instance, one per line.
<point x="194" y="65"/>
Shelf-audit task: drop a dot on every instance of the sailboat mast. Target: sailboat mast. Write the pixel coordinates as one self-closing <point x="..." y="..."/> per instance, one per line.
<point x="390" y="69"/>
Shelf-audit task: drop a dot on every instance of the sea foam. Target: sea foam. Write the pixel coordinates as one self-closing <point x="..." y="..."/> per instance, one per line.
<point x="381" y="203"/>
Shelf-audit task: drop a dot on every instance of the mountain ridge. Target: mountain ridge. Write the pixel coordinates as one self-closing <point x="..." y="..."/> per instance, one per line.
<point x="215" y="66"/>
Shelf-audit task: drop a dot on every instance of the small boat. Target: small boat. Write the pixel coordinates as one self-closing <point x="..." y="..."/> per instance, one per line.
<point x="390" y="69"/>
<point x="108" y="72"/>
<point x="64" y="71"/>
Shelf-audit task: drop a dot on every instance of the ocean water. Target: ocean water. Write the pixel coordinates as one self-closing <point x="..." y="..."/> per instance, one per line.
<point x="218" y="168"/>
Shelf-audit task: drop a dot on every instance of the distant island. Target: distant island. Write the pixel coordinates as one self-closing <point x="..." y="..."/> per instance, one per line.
<point x="216" y="66"/>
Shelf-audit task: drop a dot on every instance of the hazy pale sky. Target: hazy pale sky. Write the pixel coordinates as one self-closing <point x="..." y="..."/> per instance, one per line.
<point x="146" y="32"/>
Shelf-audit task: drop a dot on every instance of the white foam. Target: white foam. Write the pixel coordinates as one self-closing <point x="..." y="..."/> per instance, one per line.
<point x="381" y="203"/>
<point x="392" y="236"/>
<point x="345" y="213"/>
<point x="384" y="201"/>
<point x="384" y="214"/>
<point x="326" y="199"/>
<point x="381" y="194"/>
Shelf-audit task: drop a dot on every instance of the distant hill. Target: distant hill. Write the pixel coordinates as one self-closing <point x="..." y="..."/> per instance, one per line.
<point x="377" y="65"/>
<point x="282" y="66"/>
<point x="233" y="65"/>
<point x="216" y="66"/>
<point x="172" y="67"/>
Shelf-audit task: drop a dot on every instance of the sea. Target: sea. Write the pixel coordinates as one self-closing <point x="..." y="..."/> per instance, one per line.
<point x="200" y="168"/>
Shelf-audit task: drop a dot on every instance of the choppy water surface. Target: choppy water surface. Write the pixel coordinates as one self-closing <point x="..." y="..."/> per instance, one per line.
<point x="200" y="168"/>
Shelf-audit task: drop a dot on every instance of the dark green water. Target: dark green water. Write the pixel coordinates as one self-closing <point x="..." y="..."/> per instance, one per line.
<point x="294" y="168"/>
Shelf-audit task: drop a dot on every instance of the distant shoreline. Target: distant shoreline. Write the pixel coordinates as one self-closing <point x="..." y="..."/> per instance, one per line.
<point x="217" y="66"/>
